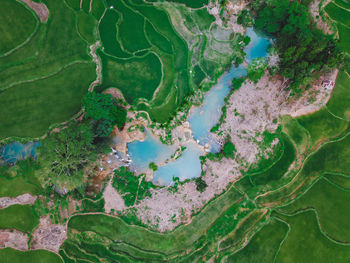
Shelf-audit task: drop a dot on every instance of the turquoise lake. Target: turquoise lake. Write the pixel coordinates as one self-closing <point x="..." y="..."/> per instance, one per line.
<point x="201" y="120"/>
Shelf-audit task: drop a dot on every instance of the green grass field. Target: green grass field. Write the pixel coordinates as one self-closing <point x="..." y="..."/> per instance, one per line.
<point x="306" y="243"/>
<point x="321" y="125"/>
<point x="331" y="205"/>
<point x="279" y="168"/>
<point x="339" y="102"/>
<point x="9" y="255"/>
<point x="19" y="179"/>
<point x="20" y="217"/>
<point x="264" y="245"/>
<point x="30" y="108"/>
<point x="43" y="82"/>
<point x="338" y="14"/>
<point x="343" y="3"/>
<point x="342" y="181"/>
<point x="17" y="23"/>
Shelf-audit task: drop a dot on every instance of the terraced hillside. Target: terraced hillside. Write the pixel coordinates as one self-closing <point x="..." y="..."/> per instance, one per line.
<point x="278" y="213"/>
<point x="46" y="68"/>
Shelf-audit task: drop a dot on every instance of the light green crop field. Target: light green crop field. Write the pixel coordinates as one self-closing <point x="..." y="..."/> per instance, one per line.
<point x="30" y="108"/>
<point x="264" y="245"/>
<point x="339" y="11"/>
<point x="306" y="242"/>
<point x="339" y="102"/>
<point x="9" y="255"/>
<point x="322" y="125"/>
<point x="331" y="204"/>
<point x="43" y="83"/>
<point x="17" y="23"/>
<point x="20" y="217"/>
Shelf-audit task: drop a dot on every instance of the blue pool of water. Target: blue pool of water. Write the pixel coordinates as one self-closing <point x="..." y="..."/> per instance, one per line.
<point x="257" y="47"/>
<point x="142" y="153"/>
<point x="13" y="152"/>
<point x="201" y="120"/>
<point x="186" y="167"/>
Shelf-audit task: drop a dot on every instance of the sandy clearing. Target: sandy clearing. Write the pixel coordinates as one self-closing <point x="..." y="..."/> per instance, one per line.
<point x="113" y="199"/>
<point x="48" y="236"/>
<point x="39" y="8"/>
<point x="14" y="239"/>
<point x="313" y="99"/>
<point x="25" y="199"/>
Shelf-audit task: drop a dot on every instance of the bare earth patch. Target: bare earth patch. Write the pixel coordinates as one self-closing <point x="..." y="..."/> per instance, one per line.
<point x="313" y="99"/>
<point x="97" y="61"/>
<point x="251" y="110"/>
<point x="315" y="13"/>
<point x="14" y="239"/>
<point x="39" y="8"/>
<point x="25" y="199"/>
<point x="48" y="236"/>
<point x="113" y="199"/>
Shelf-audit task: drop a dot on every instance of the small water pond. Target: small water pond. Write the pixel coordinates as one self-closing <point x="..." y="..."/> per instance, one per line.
<point x="15" y="151"/>
<point x="201" y="120"/>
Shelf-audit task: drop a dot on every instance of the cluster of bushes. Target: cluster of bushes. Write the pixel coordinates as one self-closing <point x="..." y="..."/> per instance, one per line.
<point x="303" y="49"/>
<point x="132" y="188"/>
<point x="104" y="112"/>
<point x="67" y="155"/>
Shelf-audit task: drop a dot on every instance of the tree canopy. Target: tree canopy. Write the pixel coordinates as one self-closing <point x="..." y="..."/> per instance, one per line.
<point x="105" y="111"/>
<point x="302" y="48"/>
<point x="65" y="154"/>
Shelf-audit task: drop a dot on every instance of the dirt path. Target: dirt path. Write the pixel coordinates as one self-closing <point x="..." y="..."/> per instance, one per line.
<point x="39" y="8"/>
<point x="96" y="59"/>
<point x="25" y="199"/>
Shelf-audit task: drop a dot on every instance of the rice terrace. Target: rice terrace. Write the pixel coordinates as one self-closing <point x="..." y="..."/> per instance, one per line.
<point x="174" y="131"/>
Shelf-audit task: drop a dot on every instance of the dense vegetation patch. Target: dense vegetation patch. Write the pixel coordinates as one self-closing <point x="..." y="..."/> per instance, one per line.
<point x="132" y="188"/>
<point x="302" y="48"/>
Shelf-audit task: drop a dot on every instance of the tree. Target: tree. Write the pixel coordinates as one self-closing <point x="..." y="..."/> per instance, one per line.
<point x="104" y="110"/>
<point x="302" y="48"/>
<point x="201" y="185"/>
<point x="229" y="149"/>
<point x="237" y="83"/>
<point x="65" y="155"/>
<point x="257" y="69"/>
<point x="153" y="166"/>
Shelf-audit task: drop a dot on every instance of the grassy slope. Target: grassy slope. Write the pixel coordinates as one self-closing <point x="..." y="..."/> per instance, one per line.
<point x="17" y="23"/>
<point x="9" y="255"/>
<point x="339" y="102"/>
<point x="20" y="217"/>
<point x="264" y="244"/>
<point x="306" y="243"/>
<point x="30" y="108"/>
<point x="331" y="204"/>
